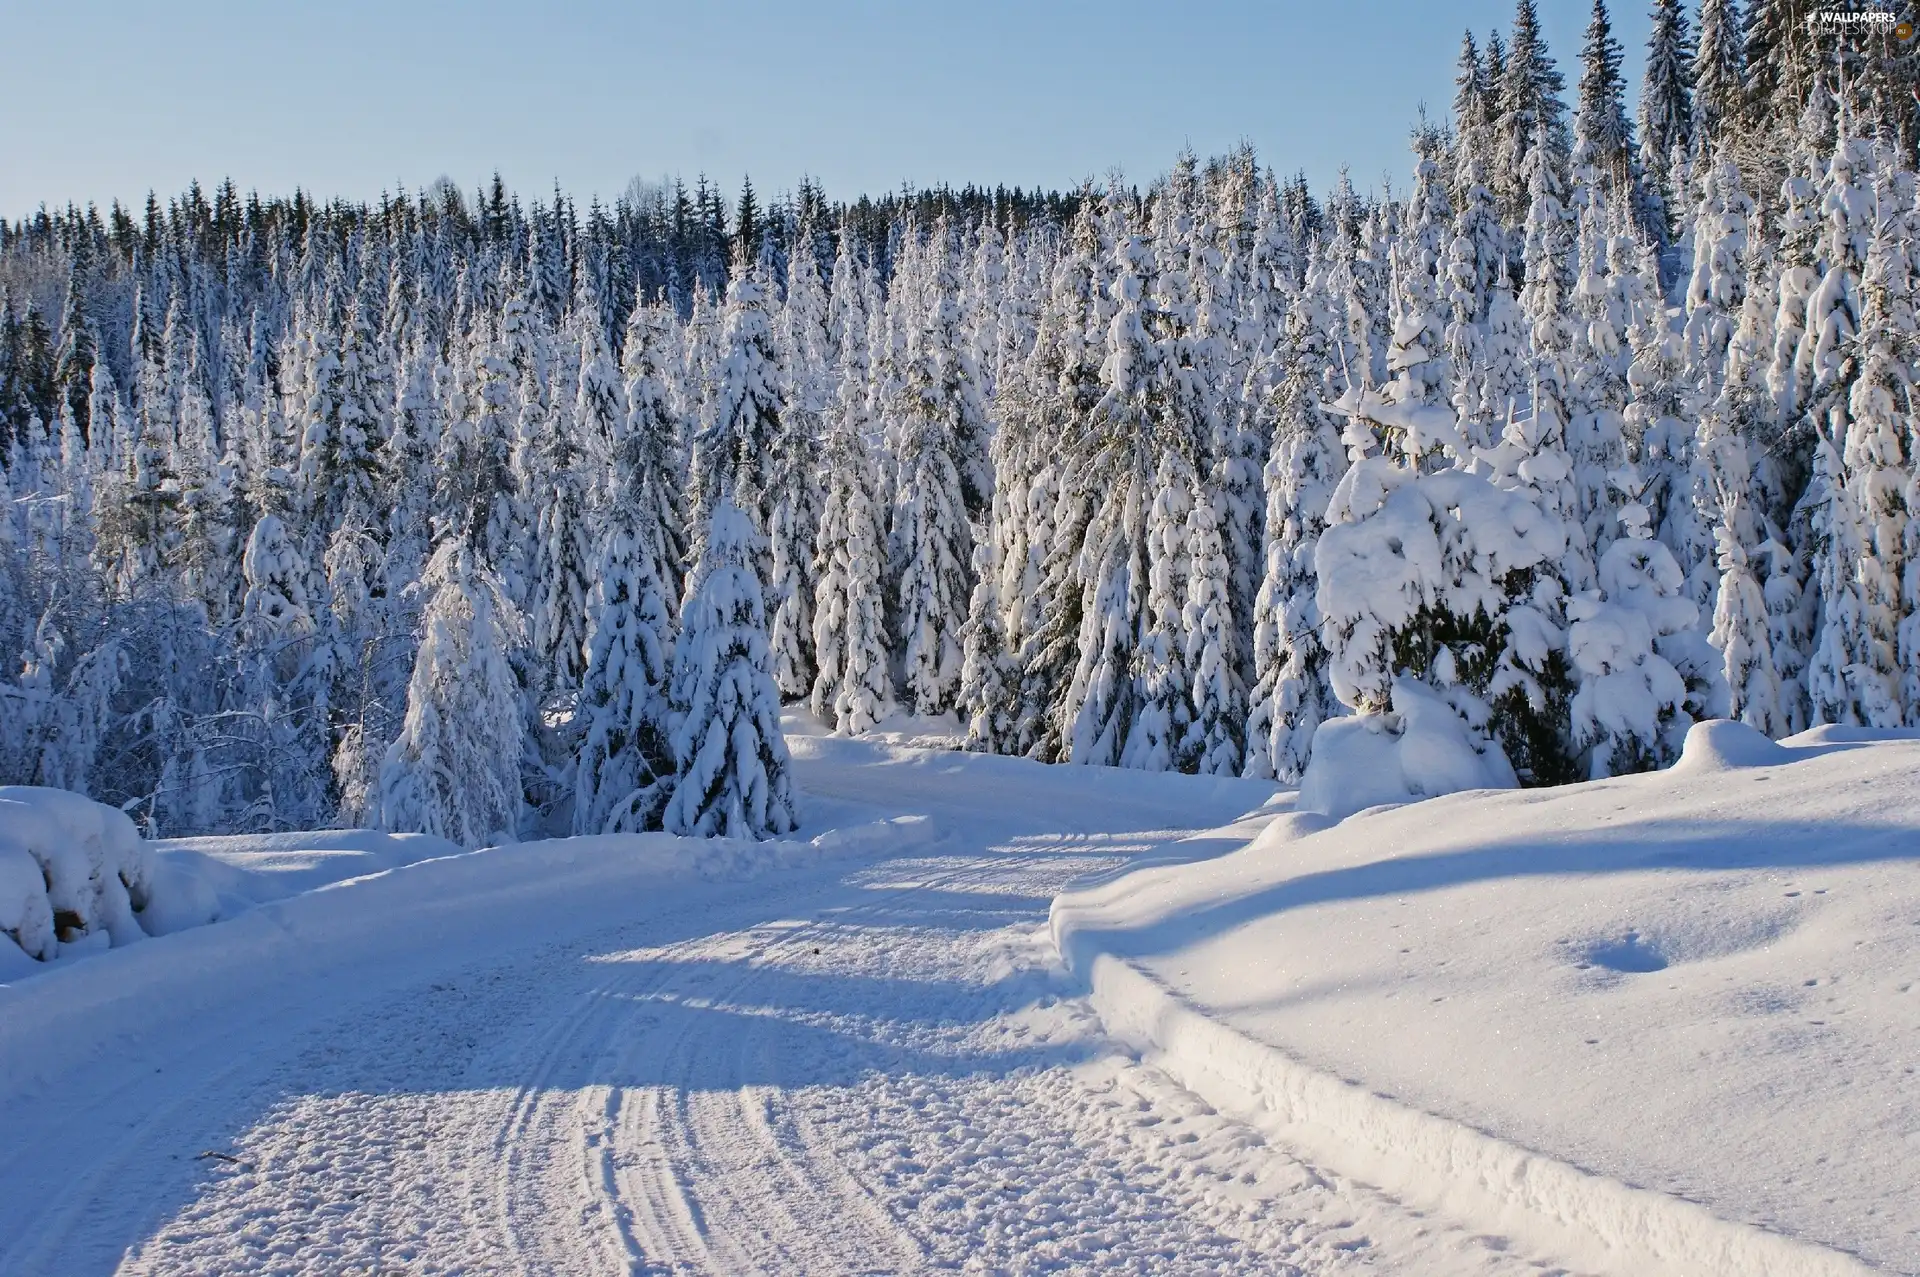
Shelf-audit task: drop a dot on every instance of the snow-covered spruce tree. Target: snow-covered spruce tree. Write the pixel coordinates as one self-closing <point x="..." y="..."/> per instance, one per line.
<point x="600" y="399"/>
<point x="1629" y="713"/>
<point x="740" y="435"/>
<point x="853" y="688"/>
<point x="1597" y="394"/>
<point x="279" y="737"/>
<point x="1291" y="696"/>
<point x="733" y="777"/>
<point x="1660" y="441"/>
<point x="550" y="465"/>
<point x="625" y="767"/>
<point x="1789" y="376"/>
<point x="1856" y="674"/>
<point x="1431" y="579"/>
<point x="1105" y="699"/>
<point x="1717" y="87"/>
<point x="407" y="481"/>
<point x="1666" y="100"/>
<point x="1742" y="627"/>
<point x="1214" y="742"/>
<point x="474" y="493"/>
<point x="1600" y="116"/>
<point x="1064" y="374"/>
<point x="454" y="771"/>
<point x="986" y="674"/>
<point x="794" y="499"/>
<point x="1163" y="711"/>
<point x="658" y="429"/>
<point x="1717" y="288"/>
<point x="1531" y="112"/>
<point x="932" y="538"/>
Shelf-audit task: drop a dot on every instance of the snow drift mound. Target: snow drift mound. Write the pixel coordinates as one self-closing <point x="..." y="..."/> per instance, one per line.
<point x="75" y="876"/>
<point x="1422" y="749"/>
<point x="1721" y="744"/>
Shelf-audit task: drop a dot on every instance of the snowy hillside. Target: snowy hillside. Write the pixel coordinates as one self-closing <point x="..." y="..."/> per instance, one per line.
<point x="1704" y="982"/>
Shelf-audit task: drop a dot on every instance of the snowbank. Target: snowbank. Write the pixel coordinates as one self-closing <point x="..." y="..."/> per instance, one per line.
<point x="1670" y="1019"/>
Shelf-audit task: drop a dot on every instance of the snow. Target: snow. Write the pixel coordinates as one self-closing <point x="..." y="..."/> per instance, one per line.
<point x="632" y="1052"/>
<point x="1667" y="1020"/>
<point x="1654" y="1024"/>
<point x="1421" y="749"/>
<point x="74" y="875"/>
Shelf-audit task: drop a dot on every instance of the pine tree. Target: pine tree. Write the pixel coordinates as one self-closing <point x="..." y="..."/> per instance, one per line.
<point x="1629" y="714"/>
<point x="1856" y="675"/>
<point x="74" y="360"/>
<point x="454" y="772"/>
<point x="853" y="689"/>
<point x="932" y="539"/>
<point x="1213" y="745"/>
<point x="740" y="435"/>
<point x="1291" y="696"/>
<point x="1742" y="627"/>
<point x="986" y="674"/>
<point x="1163" y="709"/>
<point x="625" y="766"/>
<point x="1600" y="119"/>
<point x="1532" y="113"/>
<point x="794" y="515"/>
<point x="1717" y="289"/>
<point x="1666" y="99"/>
<point x="1718" y="90"/>
<point x="734" y="777"/>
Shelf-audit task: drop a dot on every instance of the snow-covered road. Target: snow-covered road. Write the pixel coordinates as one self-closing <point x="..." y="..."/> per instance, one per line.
<point x="861" y="1067"/>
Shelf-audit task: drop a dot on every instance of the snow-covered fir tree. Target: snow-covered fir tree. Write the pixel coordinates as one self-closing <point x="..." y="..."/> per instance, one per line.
<point x="733" y="776"/>
<point x="454" y="771"/>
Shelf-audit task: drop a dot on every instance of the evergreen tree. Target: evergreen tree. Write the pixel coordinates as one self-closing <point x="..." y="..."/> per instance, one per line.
<point x="853" y="689"/>
<point x="1666" y="99"/>
<point x="1718" y="90"/>
<point x="734" y="777"/>
<point x="986" y="673"/>
<point x="1291" y="696"/>
<point x="1213" y="744"/>
<point x="1531" y="110"/>
<point x="740" y="434"/>
<point x="626" y="763"/>
<point x="454" y="772"/>
<point x="74" y="360"/>
<point x="933" y="541"/>
<point x="1600" y="119"/>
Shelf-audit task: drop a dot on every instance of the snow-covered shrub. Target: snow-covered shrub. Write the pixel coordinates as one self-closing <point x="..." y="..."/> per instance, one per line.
<point x="1420" y="748"/>
<point x="75" y="874"/>
<point x="1447" y="579"/>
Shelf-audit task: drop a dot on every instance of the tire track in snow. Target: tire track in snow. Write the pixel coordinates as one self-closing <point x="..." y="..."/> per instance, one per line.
<point x="843" y="1071"/>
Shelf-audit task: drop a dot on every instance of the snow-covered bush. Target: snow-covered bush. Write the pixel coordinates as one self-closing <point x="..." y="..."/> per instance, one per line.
<point x="1419" y="748"/>
<point x="1444" y="578"/>
<point x="75" y="875"/>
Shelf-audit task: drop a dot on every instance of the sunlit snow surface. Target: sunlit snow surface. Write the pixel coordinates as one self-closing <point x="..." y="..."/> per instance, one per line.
<point x="1705" y="981"/>
<point x="856" y="1051"/>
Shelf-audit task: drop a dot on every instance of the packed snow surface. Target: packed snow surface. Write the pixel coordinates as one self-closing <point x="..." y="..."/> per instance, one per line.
<point x="1704" y="982"/>
<point x="847" y="1051"/>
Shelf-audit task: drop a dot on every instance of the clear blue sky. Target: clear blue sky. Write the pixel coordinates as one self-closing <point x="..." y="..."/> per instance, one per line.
<point x="102" y="99"/>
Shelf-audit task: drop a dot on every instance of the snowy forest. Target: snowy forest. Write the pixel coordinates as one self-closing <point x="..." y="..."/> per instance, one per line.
<point x="456" y="515"/>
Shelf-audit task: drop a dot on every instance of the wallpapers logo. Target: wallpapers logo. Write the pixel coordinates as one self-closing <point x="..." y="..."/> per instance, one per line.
<point x="1874" y="21"/>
